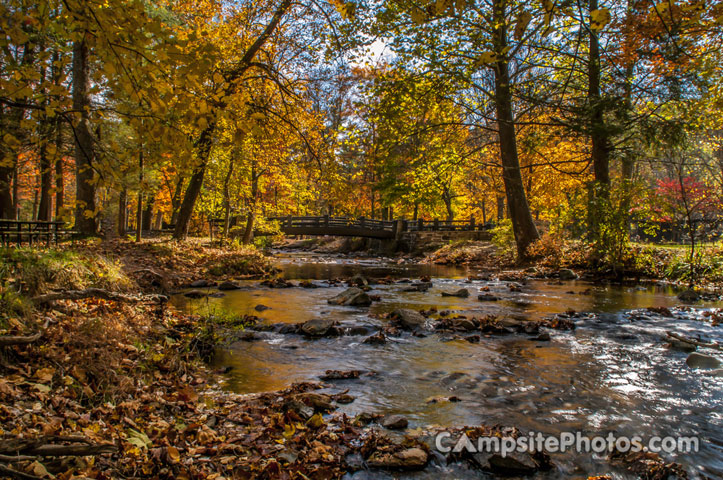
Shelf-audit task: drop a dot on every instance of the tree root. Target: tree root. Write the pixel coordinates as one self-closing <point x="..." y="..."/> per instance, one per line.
<point x="49" y="298"/>
<point x="10" y="340"/>
<point x="48" y="447"/>
<point x="692" y="341"/>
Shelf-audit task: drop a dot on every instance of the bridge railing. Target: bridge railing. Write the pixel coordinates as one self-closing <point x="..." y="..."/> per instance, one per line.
<point x="327" y="221"/>
<point x="419" y="225"/>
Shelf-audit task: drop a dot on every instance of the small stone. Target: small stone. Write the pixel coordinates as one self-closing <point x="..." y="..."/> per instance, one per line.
<point x="461" y="293"/>
<point x="487" y="297"/>
<point x="394" y="422"/>
<point x="418" y="287"/>
<point x="543" y="337"/>
<point x="408" y="319"/>
<point x="409" y="459"/>
<point x="340" y="375"/>
<point x="358" y="280"/>
<point x="463" y="324"/>
<point x="318" y="401"/>
<point x="514" y="463"/>
<point x="343" y="398"/>
<point x="354" y="297"/>
<point x="365" y="418"/>
<point x="376" y="339"/>
<point x="317" y="327"/>
<point x="700" y="360"/>
<point x="195" y="294"/>
<point x="202" y="284"/>
<point x="261" y="308"/>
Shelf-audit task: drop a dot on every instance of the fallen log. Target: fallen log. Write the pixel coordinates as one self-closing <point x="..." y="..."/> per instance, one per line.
<point x="17" y="458"/>
<point x="71" y="450"/>
<point x="692" y="341"/>
<point x="30" y="446"/>
<point x="10" y="340"/>
<point x="48" y="298"/>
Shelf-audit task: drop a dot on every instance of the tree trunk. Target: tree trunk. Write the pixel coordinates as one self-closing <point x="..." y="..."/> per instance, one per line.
<point x="10" y="124"/>
<point x="522" y="223"/>
<point x="203" y="150"/>
<point x="227" y="198"/>
<point x="139" y="209"/>
<point x="59" y="181"/>
<point x="250" y="219"/>
<point x="148" y="214"/>
<point x="45" y="130"/>
<point x="16" y="194"/>
<point x="7" y="166"/>
<point x="122" y="212"/>
<point x="448" y="206"/>
<point x="599" y="138"/>
<point x="176" y="200"/>
<point x="203" y="144"/>
<point x="85" y="214"/>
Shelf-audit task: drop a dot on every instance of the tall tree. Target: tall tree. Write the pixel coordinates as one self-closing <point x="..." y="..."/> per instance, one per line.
<point x="85" y="213"/>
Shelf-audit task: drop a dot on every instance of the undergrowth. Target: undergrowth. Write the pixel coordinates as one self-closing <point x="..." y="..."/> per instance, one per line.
<point x="32" y="271"/>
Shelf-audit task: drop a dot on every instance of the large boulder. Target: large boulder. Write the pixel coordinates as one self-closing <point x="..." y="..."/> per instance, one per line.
<point x="700" y="360"/>
<point x="318" y="328"/>
<point x="567" y="274"/>
<point x="354" y="297"/>
<point x="461" y="293"/>
<point x="408" y="459"/>
<point x="227" y="285"/>
<point x="688" y="296"/>
<point x="408" y="319"/>
<point x="196" y="294"/>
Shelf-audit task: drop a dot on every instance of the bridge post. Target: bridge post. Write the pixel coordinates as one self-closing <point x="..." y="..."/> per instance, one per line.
<point x="436" y="224"/>
<point x="288" y="221"/>
<point x="420" y="224"/>
<point x="399" y="229"/>
<point x="362" y="222"/>
<point x="471" y="223"/>
<point x="326" y="220"/>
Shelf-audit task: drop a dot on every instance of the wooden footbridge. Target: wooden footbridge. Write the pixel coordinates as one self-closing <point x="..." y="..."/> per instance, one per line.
<point x="369" y="228"/>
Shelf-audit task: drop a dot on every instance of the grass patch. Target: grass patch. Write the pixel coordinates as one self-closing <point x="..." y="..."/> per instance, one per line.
<point x="32" y="271"/>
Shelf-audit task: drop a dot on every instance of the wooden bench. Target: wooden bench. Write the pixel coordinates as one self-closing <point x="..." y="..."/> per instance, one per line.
<point x="31" y="232"/>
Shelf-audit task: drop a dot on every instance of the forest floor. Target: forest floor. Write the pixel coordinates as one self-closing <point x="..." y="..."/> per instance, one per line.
<point x="101" y="378"/>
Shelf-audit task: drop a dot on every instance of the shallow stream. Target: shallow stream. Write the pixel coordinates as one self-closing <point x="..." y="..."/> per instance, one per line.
<point x="613" y="373"/>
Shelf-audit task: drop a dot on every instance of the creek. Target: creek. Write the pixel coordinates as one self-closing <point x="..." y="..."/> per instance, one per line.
<point x="613" y="373"/>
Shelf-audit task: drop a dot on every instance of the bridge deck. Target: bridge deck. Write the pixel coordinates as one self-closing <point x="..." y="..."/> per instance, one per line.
<point x="370" y="228"/>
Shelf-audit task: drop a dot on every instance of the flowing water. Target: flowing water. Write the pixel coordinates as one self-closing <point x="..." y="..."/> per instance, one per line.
<point x="612" y="374"/>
